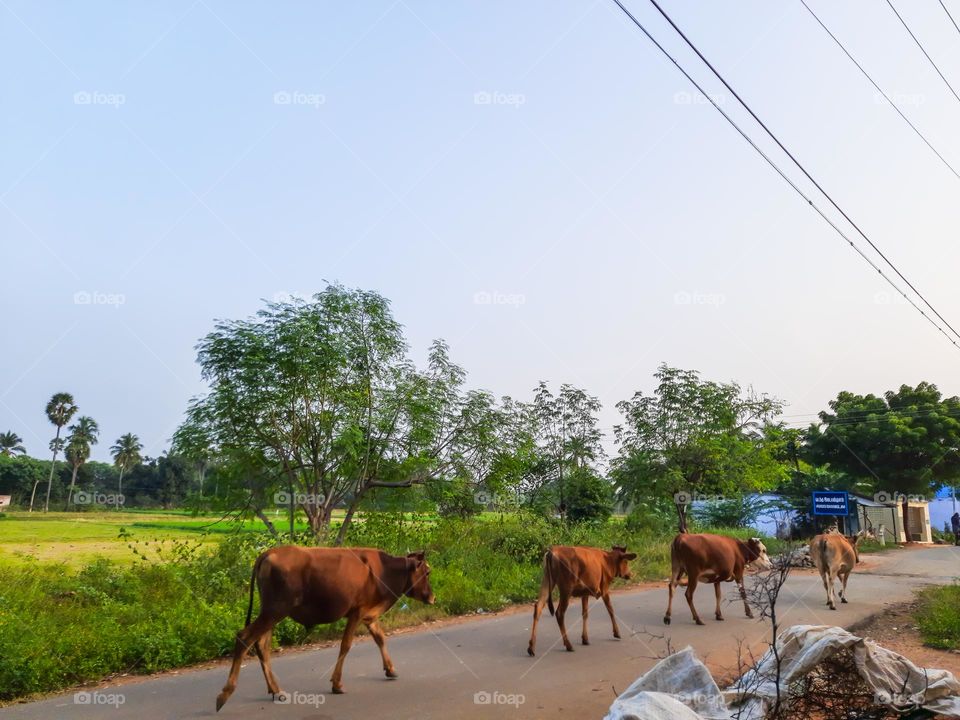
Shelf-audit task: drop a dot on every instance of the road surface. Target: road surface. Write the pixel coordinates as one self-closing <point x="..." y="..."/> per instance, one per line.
<point x="479" y="668"/>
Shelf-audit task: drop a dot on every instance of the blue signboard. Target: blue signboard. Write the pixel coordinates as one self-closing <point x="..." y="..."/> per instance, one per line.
<point x="830" y="502"/>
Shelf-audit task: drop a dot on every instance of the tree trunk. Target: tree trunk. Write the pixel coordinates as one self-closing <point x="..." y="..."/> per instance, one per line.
<point x="53" y="465"/>
<point x="120" y="489"/>
<point x="906" y="521"/>
<point x="33" y="494"/>
<point x="342" y="533"/>
<point x="266" y="521"/>
<point x="73" y="481"/>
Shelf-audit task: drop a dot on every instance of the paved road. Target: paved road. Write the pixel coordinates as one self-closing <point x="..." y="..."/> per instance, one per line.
<point x="444" y="668"/>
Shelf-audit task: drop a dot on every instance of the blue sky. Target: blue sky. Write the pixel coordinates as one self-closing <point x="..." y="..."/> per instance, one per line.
<point x="168" y="164"/>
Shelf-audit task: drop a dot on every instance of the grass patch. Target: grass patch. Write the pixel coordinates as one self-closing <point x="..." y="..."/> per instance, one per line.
<point x="938" y="616"/>
<point x="180" y="599"/>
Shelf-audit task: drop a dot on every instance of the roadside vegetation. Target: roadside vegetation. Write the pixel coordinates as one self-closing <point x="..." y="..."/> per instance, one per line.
<point x="182" y="601"/>
<point x="938" y="616"/>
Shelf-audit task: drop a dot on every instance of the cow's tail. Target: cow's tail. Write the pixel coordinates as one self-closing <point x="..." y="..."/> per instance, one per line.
<point x="548" y="574"/>
<point x="823" y="551"/>
<point x="253" y="582"/>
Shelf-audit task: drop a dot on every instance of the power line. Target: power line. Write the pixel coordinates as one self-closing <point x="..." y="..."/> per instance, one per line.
<point x="923" y="50"/>
<point x="800" y="166"/>
<point x="949" y="15"/>
<point x="880" y="90"/>
<point x="797" y="163"/>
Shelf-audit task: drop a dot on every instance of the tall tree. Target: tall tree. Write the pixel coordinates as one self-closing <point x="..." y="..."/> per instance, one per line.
<point x="694" y="436"/>
<point x="192" y="442"/>
<point x="126" y="455"/>
<point x="83" y="436"/>
<point x="906" y="442"/>
<point x="11" y="444"/>
<point x="568" y="437"/>
<point x="60" y="409"/>
<point x="320" y="397"/>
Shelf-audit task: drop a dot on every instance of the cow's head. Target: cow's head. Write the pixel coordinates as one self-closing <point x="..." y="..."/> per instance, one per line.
<point x="857" y="539"/>
<point x="758" y="551"/>
<point x="418" y="570"/>
<point x="621" y="561"/>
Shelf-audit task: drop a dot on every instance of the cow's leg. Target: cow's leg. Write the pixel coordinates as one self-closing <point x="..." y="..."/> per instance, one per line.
<point x="843" y="589"/>
<point x="246" y="639"/>
<point x="826" y="584"/>
<point x="378" y="637"/>
<point x="586" y="611"/>
<point x="691" y="586"/>
<point x="263" y="652"/>
<point x="743" y="596"/>
<point x="561" y="612"/>
<point x="345" y="644"/>
<point x="675" y="576"/>
<point x="545" y="591"/>
<point x="613" y="618"/>
<point x="831" y="590"/>
<point x="716" y="589"/>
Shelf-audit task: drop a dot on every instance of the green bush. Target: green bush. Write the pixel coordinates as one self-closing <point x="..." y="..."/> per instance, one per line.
<point x="588" y="497"/>
<point x="938" y="616"/>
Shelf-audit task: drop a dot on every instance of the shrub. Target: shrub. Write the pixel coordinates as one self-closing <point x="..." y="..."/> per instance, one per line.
<point x="938" y="616"/>
<point x="588" y="497"/>
<point x="183" y="602"/>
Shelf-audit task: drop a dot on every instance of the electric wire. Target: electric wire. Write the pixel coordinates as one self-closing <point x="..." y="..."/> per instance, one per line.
<point x="783" y="175"/>
<point x="880" y="90"/>
<point x="923" y="49"/>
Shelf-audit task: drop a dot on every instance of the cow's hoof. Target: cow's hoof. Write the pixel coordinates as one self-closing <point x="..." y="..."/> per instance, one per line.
<point x="530" y="652"/>
<point x="700" y="622"/>
<point x="843" y="600"/>
<point x="392" y="674"/>
<point x="221" y="701"/>
<point x="720" y="618"/>
<point x="833" y="607"/>
<point x="569" y="648"/>
<point x="666" y="620"/>
<point x="337" y="690"/>
<point x="750" y="615"/>
<point x="616" y="635"/>
<point x="279" y="697"/>
<point x="584" y="641"/>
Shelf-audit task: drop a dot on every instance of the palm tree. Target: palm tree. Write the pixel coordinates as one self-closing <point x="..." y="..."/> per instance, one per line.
<point x="60" y="410"/>
<point x="82" y="436"/>
<point x="11" y="444"/>
<point x="126" y="454"/>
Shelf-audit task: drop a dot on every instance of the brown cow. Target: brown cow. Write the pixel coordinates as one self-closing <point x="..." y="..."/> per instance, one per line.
<point x="713" y="559"/>
<point x="582" y="572"/>
<point x="834" y="556"/>
<point x="322" y="585"/>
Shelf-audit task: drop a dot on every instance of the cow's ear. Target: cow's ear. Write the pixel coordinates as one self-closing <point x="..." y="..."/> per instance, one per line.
<point x="620" y="548"/>
<point x="630" y="556"/>
<point x="418" y="556"/>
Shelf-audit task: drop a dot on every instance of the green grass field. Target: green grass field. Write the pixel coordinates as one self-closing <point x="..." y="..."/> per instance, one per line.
<point x="77" y="538"/>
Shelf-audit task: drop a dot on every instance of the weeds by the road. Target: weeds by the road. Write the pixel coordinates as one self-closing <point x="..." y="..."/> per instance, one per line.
<point x="938" y="616"/>
<point x="182" y="601"/>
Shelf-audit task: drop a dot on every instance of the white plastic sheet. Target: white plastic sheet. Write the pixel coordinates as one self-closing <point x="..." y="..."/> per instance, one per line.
<point x="681" y="688"/>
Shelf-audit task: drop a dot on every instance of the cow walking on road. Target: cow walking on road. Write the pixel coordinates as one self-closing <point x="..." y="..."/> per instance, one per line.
<point x="582" y="572"/>
<point x="321" y="585"/>
<point x="835" y="556"/>
<point x="712" y="559"/>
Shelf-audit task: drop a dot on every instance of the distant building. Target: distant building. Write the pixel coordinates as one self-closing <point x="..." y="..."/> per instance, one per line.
<point x="866" y="512"/>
